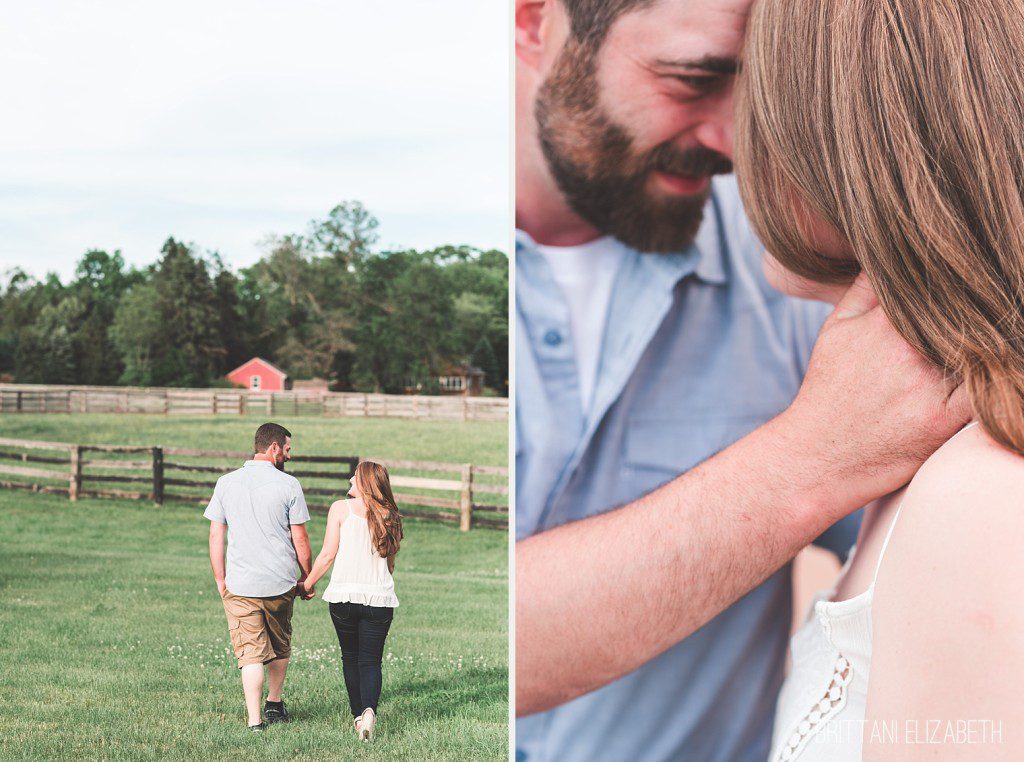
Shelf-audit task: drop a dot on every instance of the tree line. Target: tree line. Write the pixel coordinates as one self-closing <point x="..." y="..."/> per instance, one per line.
<point x="319" y="304"/>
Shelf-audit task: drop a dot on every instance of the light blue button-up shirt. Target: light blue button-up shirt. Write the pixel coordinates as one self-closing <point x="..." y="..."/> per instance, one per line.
<point x="698" y="351"/>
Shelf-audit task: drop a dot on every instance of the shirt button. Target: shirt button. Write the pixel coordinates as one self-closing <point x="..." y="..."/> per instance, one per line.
<point x="552" y="338"/>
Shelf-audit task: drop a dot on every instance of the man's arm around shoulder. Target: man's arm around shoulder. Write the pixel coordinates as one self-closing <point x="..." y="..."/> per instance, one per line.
<point x="869" y="413"/>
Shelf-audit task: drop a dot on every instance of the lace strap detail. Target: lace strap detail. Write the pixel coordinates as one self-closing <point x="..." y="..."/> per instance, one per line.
<point x="831" y="702"/>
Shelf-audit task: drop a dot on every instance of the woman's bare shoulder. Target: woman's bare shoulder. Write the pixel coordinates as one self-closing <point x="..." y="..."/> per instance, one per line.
<point x="960" y="528"/>
<point x="340" y="509"/>
<point x="970" y="478"/>
<point x="948" y="608"/>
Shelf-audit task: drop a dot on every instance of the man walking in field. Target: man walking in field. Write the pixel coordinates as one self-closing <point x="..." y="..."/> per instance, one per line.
<point x="263" y="512"/>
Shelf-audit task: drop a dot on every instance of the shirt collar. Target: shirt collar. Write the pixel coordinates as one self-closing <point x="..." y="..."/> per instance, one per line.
<point x="259" y="463"/>
<point x="710" y="246"/>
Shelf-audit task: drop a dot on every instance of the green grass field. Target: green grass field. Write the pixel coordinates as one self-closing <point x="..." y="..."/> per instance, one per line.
<point x="114" y="643"/>
<point x="482" y="442"/>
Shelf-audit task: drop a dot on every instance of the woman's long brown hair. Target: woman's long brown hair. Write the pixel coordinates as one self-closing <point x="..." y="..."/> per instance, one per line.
<point x="901" y="124"/>
<point x="381" y="512"/>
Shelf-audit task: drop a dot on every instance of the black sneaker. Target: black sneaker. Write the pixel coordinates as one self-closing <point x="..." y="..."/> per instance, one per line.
<point x="274" y="711"/>
<point x="258" y="728"/>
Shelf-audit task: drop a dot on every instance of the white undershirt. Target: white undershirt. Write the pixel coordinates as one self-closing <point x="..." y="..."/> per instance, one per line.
<point x="585" y="274"/>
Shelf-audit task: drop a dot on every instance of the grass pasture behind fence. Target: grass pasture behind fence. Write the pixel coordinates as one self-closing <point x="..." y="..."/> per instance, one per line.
<point x="465" y="494"/>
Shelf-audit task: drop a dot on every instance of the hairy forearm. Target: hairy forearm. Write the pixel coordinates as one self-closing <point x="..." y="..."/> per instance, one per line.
<point x="303" y="553"/>
<point x="217" y="555"/>
<point x="672" y="560"/>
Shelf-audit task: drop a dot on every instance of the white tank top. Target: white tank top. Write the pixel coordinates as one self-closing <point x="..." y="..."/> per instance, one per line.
<point x="822" y="706"/>
<point x="360" y="574"/>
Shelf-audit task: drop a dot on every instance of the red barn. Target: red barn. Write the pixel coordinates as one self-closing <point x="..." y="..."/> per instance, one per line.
<point x="259" y="375"/>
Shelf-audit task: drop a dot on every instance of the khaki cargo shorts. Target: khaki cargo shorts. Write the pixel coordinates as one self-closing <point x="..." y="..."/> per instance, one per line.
<point x="260" y="628"/>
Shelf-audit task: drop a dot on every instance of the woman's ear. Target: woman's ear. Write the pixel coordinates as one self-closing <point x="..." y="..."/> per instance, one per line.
<point x="531" y="18"/>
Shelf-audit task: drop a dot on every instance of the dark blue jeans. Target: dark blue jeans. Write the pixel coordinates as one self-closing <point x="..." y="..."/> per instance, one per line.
<point x="361" y="634"/>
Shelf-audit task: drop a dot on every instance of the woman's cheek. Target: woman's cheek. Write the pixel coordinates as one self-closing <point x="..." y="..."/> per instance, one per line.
<point x="792" y="284"/>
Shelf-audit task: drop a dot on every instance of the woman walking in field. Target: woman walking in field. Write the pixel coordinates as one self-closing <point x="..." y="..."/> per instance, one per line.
<point x="363" y="534"/>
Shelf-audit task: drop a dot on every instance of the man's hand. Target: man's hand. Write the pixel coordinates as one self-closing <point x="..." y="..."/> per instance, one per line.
<point x="221" y="587"/>
<point x="871" y="407"/>
<point x="305" y="591"/>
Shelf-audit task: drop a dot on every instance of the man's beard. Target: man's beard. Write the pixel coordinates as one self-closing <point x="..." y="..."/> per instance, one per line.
<point x="601" y="176"/>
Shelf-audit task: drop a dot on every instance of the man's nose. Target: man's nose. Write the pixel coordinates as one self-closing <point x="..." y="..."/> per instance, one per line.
<point x="716" y="130"/>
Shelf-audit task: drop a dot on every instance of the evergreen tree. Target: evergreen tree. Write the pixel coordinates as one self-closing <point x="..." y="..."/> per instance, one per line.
<point x="191" y="351"/>
<point x="483" y="357"/>
<point x="231" y="327"/>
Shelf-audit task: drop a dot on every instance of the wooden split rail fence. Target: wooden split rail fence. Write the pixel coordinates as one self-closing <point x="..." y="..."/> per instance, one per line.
<point x="33" y="398"/>
<point x="438" y="491"/>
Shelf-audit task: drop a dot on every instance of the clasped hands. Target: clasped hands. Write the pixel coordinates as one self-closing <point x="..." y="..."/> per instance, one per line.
<point x="306" y="592"/>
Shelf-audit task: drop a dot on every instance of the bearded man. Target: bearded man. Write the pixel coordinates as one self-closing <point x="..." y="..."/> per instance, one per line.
<point x="262" y="513"/>
<point x="667" y="470"/>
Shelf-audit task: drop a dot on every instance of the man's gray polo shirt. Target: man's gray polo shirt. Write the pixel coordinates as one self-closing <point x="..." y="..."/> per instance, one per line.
<point x="259" y="504"/>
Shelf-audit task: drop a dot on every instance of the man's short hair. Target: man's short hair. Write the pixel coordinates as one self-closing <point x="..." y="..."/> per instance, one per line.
<point x="269" y="433"/>
<point x="591" y="19"/>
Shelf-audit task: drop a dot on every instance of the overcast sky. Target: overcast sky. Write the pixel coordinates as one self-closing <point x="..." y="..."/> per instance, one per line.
<point x="223" y="120"/>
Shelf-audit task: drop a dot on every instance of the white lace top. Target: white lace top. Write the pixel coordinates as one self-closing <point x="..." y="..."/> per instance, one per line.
<point x="822" y="706"/>
<point x="360" y="574"/>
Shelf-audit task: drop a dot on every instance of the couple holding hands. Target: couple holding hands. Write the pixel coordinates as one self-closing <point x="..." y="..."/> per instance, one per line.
<point x="263" y="512"/>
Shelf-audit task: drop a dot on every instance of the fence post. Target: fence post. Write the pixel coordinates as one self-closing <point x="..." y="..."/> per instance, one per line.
<point x="17" y="407"/>
<point x="158" y="476"/>
<point x="75" y="478"/>
<point x="466" y="498"/>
